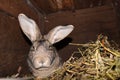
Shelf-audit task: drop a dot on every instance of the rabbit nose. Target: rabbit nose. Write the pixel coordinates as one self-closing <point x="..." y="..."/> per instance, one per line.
<point x="38" y="63"/>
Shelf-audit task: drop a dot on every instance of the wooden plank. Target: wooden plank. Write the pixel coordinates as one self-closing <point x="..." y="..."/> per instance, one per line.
<point x="13" y="47"/>
<point x="88" y="24"/>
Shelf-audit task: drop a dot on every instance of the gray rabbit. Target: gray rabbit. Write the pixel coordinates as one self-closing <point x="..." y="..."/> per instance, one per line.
<point x="43" y="58"/>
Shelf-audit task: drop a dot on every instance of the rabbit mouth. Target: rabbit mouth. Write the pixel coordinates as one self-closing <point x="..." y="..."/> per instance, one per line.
<point x="42" y="67"/>
<point x="39" y="68"/>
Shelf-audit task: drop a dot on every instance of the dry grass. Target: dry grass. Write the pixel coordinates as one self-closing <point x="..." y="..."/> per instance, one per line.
<point x="99" y="60"/>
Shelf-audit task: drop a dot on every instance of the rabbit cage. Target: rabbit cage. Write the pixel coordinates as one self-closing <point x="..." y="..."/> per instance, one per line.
<point x="89" y="17"/>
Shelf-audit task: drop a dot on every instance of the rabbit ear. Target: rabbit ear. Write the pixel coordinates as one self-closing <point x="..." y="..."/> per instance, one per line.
<point x="59" y="33"/>
<point x="29" y="27"/>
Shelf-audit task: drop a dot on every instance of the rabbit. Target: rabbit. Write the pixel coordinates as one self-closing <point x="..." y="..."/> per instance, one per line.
<point x="43" y="58"/>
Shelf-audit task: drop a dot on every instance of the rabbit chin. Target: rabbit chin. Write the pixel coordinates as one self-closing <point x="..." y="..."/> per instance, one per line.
<point x="44" y="72"/>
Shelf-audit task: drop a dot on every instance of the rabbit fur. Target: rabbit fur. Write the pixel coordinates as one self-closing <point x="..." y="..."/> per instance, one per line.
<point x="43" y="58"/>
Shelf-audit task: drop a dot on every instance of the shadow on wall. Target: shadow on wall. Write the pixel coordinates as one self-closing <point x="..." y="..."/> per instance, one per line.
<point x="63" y="43"/>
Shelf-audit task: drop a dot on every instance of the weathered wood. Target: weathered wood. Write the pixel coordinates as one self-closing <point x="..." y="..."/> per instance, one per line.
<point x="13" y="47"/>
<point x="88" y="24"/>
<point x="51" y="6"/>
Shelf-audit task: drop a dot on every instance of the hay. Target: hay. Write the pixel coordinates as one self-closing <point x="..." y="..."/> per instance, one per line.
<point x="99" y="60"/>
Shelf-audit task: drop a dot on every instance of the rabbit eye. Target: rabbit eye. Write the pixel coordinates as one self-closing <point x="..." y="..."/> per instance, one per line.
<point x="33" y="48"/>
<point x="50" y="47"/>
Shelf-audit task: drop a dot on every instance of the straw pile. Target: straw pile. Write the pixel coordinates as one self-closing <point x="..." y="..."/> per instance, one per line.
<point x="100" y="60"/>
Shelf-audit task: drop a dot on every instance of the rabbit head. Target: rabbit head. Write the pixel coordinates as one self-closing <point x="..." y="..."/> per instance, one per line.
<point x="43" y="58"/>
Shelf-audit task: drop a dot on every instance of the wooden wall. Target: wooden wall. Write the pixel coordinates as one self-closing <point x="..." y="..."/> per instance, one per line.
<point x="90" y="18"/>
<point x="89" y="23"/>
<point x="50" y="6"/>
